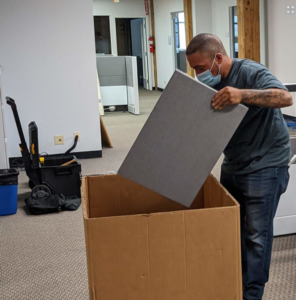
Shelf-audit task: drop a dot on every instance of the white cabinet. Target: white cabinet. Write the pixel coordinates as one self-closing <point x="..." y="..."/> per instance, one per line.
<point x="291" y="110"/>
<point x="285" y="219"/>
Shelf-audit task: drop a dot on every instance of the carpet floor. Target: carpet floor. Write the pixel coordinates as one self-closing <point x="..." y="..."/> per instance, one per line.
<point x="43" y="257"/>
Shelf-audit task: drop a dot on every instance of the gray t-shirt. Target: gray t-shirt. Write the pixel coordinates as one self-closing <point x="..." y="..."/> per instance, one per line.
<point x="262" y="140"/>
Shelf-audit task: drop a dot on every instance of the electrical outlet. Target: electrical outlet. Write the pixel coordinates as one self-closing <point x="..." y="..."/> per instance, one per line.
<point x="59" y="140"/>
<point x="290" y="9"/>
<point x="77" y="133"/>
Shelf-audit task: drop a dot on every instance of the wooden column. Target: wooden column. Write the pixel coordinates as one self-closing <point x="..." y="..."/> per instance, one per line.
<point x="153" y="34"/>
<point x="248" y="29"/>
<point x="188" y="29"/>
<point x="104" y="135"/>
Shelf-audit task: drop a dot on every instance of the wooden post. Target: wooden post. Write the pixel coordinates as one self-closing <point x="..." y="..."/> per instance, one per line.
<point x="104" y="135"/>
<point x="248" y="29"/>
<point x="188" y="29"/>
<point x="153" y="34"/>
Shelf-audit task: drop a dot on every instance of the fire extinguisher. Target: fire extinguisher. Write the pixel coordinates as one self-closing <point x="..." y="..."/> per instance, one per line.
<point x="151" y="44"/>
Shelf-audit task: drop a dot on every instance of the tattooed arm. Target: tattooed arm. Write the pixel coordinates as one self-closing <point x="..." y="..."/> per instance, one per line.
<point x="271" y="98"/>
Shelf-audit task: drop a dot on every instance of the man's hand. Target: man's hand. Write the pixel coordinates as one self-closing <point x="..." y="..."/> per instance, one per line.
<point x="227" y="96"/>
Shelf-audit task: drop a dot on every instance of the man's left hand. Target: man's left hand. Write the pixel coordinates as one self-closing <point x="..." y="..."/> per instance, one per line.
<point x="226" y="96"/>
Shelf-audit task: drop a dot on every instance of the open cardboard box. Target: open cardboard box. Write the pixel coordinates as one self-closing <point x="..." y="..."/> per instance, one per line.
<point x="143" y="246"/>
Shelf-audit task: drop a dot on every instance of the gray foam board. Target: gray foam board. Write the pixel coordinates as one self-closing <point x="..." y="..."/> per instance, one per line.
<point x="181" y="141"/>
<point x="113" y="80"/>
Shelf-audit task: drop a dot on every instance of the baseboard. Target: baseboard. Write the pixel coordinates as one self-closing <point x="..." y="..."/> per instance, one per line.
<point x="291" y="87"/>
<point x="159" y="89"/>
<point x="15" y="162"/>
<point x="285" y="225"/>
<point x="123" y="108"/>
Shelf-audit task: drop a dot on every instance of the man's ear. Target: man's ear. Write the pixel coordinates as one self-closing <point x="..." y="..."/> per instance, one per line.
<point x="219" y="58"/>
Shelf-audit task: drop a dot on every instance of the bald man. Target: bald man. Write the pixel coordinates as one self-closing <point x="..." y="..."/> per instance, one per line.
<point x="255" y="168"/>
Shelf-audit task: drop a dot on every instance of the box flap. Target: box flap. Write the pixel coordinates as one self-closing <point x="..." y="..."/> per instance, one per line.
<point x="215" y="195"/>
<point x="113" y="195"/>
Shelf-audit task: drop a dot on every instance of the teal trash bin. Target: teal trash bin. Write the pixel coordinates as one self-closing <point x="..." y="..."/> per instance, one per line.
<point x="8" y="191"/>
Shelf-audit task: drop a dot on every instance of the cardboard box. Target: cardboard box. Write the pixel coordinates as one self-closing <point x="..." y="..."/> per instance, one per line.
<point x="143" y="246"/>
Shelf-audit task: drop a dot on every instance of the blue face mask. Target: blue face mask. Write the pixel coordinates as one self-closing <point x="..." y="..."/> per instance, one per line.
<point x="208" y="78"/>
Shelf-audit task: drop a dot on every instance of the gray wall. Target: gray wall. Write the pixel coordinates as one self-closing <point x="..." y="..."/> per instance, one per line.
<point x="47" y="51"/>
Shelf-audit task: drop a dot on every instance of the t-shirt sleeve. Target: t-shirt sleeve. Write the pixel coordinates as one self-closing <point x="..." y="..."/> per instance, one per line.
<point x="262" y="79"/>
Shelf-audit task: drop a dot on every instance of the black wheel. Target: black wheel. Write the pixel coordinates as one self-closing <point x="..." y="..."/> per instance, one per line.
<point x="40" y="191"/>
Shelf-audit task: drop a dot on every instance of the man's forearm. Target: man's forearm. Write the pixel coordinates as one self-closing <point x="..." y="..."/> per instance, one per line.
<point x="272" y="98"/>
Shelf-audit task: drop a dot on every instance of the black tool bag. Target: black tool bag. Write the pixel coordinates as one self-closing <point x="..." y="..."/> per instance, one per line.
<point x="52" y="204"/>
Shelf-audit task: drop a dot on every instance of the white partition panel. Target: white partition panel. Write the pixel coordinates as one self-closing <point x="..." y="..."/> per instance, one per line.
<point x="132" y="86"/>
<point x="114" y="95"/>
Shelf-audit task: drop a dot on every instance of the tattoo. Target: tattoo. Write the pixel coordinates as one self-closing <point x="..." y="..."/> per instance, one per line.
<point x="272" y="98"/>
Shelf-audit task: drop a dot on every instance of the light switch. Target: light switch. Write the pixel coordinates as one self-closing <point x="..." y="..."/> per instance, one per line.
<point x="170" y="40"/>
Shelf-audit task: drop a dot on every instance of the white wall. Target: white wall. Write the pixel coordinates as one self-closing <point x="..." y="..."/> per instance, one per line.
<point x="122" y="9"/>
<point x="221" y="22"/>
<point x="47" y="52"/>
<point x="202" y="16"/>
<point x="281" y="40"/>
<point x="3" y="150"/>
<point x="281" y="44"/>
<point x="163" y="28"/>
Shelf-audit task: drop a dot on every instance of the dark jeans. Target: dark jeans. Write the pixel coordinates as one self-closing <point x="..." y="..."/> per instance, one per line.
<point x="258" y="194"/>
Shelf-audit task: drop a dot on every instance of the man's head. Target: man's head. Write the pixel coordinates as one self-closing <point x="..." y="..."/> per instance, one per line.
<point x="206" y="52"/>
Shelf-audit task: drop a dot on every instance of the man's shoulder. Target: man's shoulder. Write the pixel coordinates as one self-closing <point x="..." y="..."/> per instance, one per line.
<point x="248" y="65"/>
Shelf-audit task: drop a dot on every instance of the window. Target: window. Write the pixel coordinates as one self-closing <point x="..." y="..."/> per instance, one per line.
<point x="102" y="34"/>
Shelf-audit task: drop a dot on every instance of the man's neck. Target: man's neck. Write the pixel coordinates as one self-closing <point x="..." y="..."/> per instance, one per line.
<point x="226" y="67"/>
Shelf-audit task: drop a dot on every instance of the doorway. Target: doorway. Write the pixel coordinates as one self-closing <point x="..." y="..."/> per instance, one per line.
<point x="131" y="35"/>
<point x="179" y="41"/>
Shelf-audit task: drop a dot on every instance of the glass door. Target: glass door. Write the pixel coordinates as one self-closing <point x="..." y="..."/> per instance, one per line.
<point x="179" y="41"/>
<point x="234" y="32"/>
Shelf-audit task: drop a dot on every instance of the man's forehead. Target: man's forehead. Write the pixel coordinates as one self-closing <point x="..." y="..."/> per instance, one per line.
<point x="199" y="59"/>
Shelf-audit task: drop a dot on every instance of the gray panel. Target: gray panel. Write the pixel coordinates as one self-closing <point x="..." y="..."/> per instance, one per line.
<point x="129" y="66"/>
<point x="111" y="66"/>
<point x="112" y="80"/>
<point x="181" y="141"/>
<point x="130" y="81"/>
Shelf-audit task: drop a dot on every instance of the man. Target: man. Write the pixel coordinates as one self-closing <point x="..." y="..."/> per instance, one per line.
<point x="255" y="168"/>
